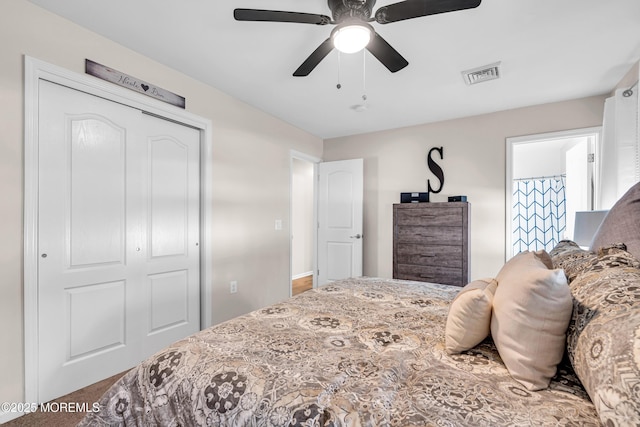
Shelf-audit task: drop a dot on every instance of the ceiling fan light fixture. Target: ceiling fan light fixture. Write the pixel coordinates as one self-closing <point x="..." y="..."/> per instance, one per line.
<point x="352" y="37"/>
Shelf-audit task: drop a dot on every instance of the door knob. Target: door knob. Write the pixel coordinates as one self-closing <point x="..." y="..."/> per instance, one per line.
<point x="357" y="236"/>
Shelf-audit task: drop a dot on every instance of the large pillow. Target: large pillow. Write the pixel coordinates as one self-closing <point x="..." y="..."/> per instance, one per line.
<point x="570" y="257"/>
<point x="603" y="339"/>
<point x="531" y="312"/>
<point x="469" y="318"/>
<point x="622" y="224"/>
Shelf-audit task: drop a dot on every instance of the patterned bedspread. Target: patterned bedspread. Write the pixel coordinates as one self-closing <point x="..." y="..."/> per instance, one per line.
<point x="359" y="352"/>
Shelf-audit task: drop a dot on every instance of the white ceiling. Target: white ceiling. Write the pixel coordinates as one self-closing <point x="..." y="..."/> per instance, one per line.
<point x="550" y="50"/>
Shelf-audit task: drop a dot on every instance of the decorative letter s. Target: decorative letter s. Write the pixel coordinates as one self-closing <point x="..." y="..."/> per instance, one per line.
<point x="436" y="169"/>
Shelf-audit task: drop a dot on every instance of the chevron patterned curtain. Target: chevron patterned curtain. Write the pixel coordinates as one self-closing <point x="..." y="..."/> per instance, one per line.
<point x="539" y="213"/>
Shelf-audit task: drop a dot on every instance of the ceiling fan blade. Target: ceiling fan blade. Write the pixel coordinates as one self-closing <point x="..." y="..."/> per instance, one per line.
<point x="279" y="16"/>
<point x="314" y="59"/>
<point x="386" y="54"/>
<point x="416" y="8"/>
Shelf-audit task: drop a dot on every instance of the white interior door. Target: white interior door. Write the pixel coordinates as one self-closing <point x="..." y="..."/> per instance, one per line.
<point x="118" y="276"/>
<point x="340" y="220"/>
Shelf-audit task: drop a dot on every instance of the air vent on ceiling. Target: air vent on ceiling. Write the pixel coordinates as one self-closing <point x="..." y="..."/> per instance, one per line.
<point x="482" y="74"/>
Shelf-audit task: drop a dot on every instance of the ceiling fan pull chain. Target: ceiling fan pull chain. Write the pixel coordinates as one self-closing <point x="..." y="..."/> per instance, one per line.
<point x="339" y="72"/>
<point x="364" y="76"/>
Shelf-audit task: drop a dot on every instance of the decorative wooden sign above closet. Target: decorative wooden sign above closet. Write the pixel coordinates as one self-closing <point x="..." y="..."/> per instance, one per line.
<point x="114" y="76"/>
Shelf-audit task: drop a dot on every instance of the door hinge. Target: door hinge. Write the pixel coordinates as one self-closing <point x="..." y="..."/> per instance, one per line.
<point x="591" y="158"/>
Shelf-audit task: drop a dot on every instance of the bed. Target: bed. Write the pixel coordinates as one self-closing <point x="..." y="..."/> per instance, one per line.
<point x="374" y="352"/>
<point x="359" y="352"/>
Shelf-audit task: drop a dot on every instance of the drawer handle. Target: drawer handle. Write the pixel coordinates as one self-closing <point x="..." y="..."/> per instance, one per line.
<point x="427" y="256"/>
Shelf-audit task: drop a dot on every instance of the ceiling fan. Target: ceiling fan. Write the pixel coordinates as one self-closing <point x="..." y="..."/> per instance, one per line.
<point x="353" y="16"/>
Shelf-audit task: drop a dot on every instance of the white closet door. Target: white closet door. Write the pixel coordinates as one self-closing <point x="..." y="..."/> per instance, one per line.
<point x="118" y="229"/>
<point x="171" y="228"/>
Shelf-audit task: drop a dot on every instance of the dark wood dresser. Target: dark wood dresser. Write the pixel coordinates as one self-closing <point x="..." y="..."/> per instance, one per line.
<point x="431" y="242"/>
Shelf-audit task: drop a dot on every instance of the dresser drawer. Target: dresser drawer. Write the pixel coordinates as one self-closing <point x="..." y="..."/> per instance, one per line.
<point x="443" y="256"/>
<point x="445" y="216"/>
<point x="432" y="235"/>
<point x="428" y="273"/>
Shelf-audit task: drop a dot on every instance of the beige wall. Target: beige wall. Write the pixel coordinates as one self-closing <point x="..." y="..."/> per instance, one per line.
<point x="629" y="79"/>
<point x="250" y="173"/>
<point x="474" y="165"/>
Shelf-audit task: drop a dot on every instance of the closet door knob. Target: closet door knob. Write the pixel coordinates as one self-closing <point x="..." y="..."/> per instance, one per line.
<point x="357" y="236"/>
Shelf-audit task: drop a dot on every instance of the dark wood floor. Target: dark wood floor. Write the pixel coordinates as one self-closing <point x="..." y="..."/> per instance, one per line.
<point x="84" y="397"/>
<point x="302" y="284"/>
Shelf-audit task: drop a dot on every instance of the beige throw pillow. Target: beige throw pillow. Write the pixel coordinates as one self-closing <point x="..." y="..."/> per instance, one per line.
<point x="531" y="312"/>
<point x="469" y="318"/>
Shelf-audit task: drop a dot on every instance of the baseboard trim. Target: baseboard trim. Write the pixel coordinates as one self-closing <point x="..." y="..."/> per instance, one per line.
<point x="301" y="275"/>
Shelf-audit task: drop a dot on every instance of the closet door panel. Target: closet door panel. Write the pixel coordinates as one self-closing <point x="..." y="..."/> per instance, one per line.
<point x="118" y="236"/>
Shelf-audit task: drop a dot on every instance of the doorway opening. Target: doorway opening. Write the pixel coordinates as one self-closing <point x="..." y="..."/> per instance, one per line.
<point x="549" y="178"/>
<point x="303" y="228"/>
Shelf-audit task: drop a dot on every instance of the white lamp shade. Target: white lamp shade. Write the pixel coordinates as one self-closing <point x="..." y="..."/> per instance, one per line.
<point x="586" y="226"/>
<point x="351" y="38"/>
